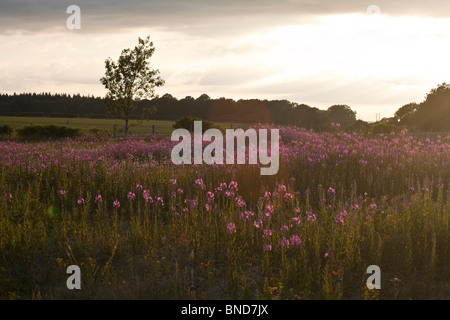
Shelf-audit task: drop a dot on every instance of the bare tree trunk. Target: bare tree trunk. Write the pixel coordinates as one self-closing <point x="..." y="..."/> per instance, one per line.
<point x="126" y="126"/>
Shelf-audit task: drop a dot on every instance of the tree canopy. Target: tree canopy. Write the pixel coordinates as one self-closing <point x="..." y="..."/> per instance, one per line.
<point x="433" y="114"/>
<point x="130" y="79"/>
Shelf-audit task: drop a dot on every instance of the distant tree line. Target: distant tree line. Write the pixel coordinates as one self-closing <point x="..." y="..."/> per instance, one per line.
<point x="431" y="115"/>
<point x="171" y="108"/>
<point x="52" y="105"/>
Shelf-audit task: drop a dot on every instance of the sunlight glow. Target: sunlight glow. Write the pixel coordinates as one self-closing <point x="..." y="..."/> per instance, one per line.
<point x="366" y="61"/>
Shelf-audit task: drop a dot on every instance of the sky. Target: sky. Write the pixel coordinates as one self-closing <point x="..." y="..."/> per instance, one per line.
<point x="373" y="56"/>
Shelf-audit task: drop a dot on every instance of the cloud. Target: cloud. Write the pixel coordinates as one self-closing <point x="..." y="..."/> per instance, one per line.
<point x="367" y="96"/>
<point x="195" y="15"/>
<point x="234" y="75"/>
<point x="300" y="50"/>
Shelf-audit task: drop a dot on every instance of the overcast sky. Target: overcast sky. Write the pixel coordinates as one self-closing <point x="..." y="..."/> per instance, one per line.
<point x="315" y="52"/>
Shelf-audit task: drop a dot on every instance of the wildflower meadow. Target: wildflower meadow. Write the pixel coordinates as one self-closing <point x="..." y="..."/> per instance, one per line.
<point x="141" y="227"/>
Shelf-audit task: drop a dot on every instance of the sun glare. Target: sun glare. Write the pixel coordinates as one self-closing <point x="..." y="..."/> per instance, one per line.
<point x="359" y="46"/>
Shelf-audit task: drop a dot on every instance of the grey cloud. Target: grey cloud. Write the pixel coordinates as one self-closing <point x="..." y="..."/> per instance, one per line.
<point x="199" y="15"/>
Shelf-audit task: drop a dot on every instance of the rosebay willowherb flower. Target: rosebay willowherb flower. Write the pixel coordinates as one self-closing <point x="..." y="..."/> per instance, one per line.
<point x="231" y="228"/>
<point x="239" y="153"/>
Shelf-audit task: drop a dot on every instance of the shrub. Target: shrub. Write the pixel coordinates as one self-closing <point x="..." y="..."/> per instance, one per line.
<point x="359" y="126"/>
<point x="95" y="132"/>
<point x="38" y="132"/>
<point x="384" y="128"/>
<point x="6" y="130"/>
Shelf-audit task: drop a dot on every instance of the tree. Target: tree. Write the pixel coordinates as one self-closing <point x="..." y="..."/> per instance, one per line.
<point x="404" y="114"/>
<point x="131" y="79"/>
<point x="359" y="126"/>
<point x="342" y="114"/>
<point x="434" y="113"/>
<point x="203" y="97"/>
<point x="168" y="96"/>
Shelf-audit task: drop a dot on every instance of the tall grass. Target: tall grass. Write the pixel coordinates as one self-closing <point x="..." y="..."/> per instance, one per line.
<point x="140" y="227"/>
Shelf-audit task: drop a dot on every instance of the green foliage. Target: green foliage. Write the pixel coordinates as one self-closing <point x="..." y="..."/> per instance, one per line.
<point x="38" y="132"/>
<point x="130" y="79"/>
<point x="5" y="130"/>
<point x="170" y="108"/>
<point x="149" y="250"/>
<point x="431" y="115"/>
<point x="359" y="126"/>
<point x="95" y="132"/>
<point x="341" y="114"/>
<point x="53" y="132"/>
<point x="385" y="128"/>
<point x="161" y="126"/>
<point x="405" y="114"/>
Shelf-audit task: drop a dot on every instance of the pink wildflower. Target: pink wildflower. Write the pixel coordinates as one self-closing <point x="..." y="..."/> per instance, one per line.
<point x="295" y="240"/>
<point x="231" y="228"/>
<point x="311" y="216"/>
<point x="284" y="242"/>
<point x="131" y="196"/>
<point x="258" y="224"/>
<point x="267" y="233"/>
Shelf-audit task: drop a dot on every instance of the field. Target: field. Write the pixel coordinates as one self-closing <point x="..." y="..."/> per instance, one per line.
<point x="161" y="126"/>
<point x="140" y="227"/>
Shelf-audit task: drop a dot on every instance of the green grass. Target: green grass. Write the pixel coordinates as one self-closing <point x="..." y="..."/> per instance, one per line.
<point x="162" y="126"/>
<point x="389" y="210"/>
<point x="147" y="251"/>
